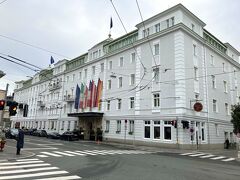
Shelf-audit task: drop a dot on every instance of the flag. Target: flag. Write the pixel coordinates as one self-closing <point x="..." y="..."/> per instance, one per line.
<point x="77" y="96"/>
<point x="51" y="60"/>
<point x="81" y="96"/>
<point x="111" y="23"/>
<point x="100" y="95"/>
<point x="96" y="97"/>
<point x="91" y="94"/>
<point x="85" y="97"/>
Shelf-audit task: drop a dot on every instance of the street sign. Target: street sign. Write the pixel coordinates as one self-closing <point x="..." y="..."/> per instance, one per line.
<point x="198" y="106"/>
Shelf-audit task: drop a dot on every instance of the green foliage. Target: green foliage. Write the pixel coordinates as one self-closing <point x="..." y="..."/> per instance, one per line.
<point x="236" y="118"/>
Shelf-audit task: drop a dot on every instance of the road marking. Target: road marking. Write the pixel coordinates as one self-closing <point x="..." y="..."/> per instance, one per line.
<point x="19" y="160"/>
<point x="42" y="155"/>
<point x="17" y="163"/>
<point x="186" y="154"/>
<point x="219" y="157"/>
<point x="84" y="152"/>
<point x="96" y="152"/>
<point x="62" y="153"/>
<point x="75" y="153"/>
<point x="27" y="170"/>
<point x="50" y="144"/>
<point x="62" y="178"/>
<point x="51" y="154"/>
<point x="40" y="148"/>
<point x="33" y="175"/>
<point x="208" y="156"/>
<point x="229" y="159"/>
<point x="195" y="155"/>
<point x="24" y="166"/>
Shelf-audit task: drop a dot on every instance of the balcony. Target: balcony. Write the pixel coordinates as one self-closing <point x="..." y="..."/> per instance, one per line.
<point x="54" y="86"/>
<point x="69" y="98"/>
<point x="40" y="104"/>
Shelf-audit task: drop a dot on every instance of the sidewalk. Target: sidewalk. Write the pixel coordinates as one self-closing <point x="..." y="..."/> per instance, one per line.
<point x="9" y="153"/>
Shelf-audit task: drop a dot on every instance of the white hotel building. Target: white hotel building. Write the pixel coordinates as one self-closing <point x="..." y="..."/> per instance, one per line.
<point x="151" y="76"/>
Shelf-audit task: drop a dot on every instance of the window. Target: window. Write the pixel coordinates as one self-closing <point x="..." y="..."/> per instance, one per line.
<point x="213" y="81"/>
<point x="212" y="60"/>
<point x="67" y="79"/>
<point x="223" y="65"/>
<point x="102" y="67"/>
<point x="226" y="109"/>
<point x="217" y="130"/>
<point x="167" y="130"/>
<point x="44" y="124"/>
<point x="119" y="104"/>
<point x="110" y="65"/>
<point x="107" y="126"/>
<point x="157" y="27"/>
<point x="214" y="105"/>
<point x="62" y="125"/>
<point x="133" y="57"/>
<point x="121" y="62"/>
<point x="93" y="70"/>
<point x="118" y="126"/>
<point x="172" y="20"/>
<point x="108" y="105"/>
<point x="85" y="73"/>
<point x="120" y="81"/>
<point x="75" y="124"/>
<point x="146" y="32"/>
<point x="225" y="86"/>
<point x="156" y="129"/>
<point x="69" y="123"/>
<point x="80" y="75"/>
<point x="195" y="73"/>
<point x="132" y="79"/>
<point x="131" y="126"/>
<point x="73" y="77"/>
<point x="156" y="100"/>
<point x="132" y="103"/>
<point x="156" y="74"/>
<point x="109" y="84"/>
<point x="147" y="129"/>
<point x="167" y="23"/>
<point x="193" y="27"/>
<point x="203" y="131"/>
<point x="194" y="50"/>
<point x="156" y="49"/>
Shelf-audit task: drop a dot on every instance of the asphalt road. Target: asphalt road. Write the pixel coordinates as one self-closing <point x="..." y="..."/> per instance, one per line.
<point x="88" y="160"/>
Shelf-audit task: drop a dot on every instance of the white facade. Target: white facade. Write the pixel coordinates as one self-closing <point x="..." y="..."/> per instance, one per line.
<point x="151" y="77"/>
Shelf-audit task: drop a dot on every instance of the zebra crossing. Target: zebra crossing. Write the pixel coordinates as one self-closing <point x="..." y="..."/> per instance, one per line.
<point x="33" y="168"/>
<point x="45" y="154"/>
<point x="208" y="156"/>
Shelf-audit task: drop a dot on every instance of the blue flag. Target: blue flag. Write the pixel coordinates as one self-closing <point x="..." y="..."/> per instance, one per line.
<point x="51" y="60"/>
<point x="77" y="97"/>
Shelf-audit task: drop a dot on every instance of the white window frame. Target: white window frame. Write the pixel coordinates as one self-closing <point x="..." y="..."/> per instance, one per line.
<point x="196" y="73"/>
<point x="109" y="86"/>
<point x="203" y="132"/>
<point x="108" y="105"/>
<point x="217" y="130"/>
<point x="93" y="70"/>
<point x="120" y="82"/>
<point x="110" y="65"/>
<point x="80" y="75"/>
<point x="131" y="126"/>
<point x="85" y="73"/>
<point x="102" y="67"/>
<point x="156" y="47"/>
<point x="133" y="57"/>
<point x="215" y="107"/>
<point x="157" y="124"/>
<point x="132" y="79"/>
<point x="157" y="27"/>
<point x="194" y="49"/>
<point x="167" y="124"/>
<point x="156" y="100"/>
<point x="121" y="61"/>
<point x="225" y="86"/>
<point x="156" y="74"/>
<point x="119" y="104"/>
<point x="107" y="126"/>
<point x="213" y="82"/>
<point x="131" y="102"/>
<point x="147" y="123"/>
<point x="212" y="60"/>
<point x="119" y="123"/>
<point x="227" y="109"/>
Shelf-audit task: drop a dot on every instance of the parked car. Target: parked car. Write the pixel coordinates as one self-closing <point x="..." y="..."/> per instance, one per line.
<point x="11" y="133"/>
<point x="53" y="135"/>
<point x="29" y="131"/>
<point x="40" y="133"/>
<point x="69" y="136"/>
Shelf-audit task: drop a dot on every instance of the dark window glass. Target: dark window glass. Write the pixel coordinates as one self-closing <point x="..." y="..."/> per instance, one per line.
<point x="147" y="132"/>
<point x="167" y="133"/>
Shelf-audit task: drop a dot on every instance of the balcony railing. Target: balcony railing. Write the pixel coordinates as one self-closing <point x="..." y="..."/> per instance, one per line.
<point x="54" y="86"/>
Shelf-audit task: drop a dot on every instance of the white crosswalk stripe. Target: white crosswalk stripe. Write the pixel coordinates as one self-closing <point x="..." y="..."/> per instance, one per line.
<point x="32" y="168"/>
<point x="209" y="156"/>
<point x="89" y="153"/>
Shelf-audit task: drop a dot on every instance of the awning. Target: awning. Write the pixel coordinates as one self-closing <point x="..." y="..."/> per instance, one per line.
<point x="86" y="114"/>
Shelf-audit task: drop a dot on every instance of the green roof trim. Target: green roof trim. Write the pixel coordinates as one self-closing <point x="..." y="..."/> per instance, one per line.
<point x="76" y="62"/>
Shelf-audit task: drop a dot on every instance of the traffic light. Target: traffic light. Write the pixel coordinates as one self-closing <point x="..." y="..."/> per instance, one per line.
<point x="2" y="104"/>
<point x="174" y="123"/>
<point x="13" y="109"/>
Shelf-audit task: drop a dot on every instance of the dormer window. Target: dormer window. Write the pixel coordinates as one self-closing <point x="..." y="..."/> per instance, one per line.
<point x="146" y="32"/>
<point x="193" y="27"/>
<point x="157" y="27"/>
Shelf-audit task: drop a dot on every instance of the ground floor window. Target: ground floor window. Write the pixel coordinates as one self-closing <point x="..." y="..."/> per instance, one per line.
<point x="203" y="131"/>
<point x="62" y="125"/>
<point x="118" y="126"/>
<point x="167" y="130"/>
<point x="147" y="129"/>
<point x="131" y="127"/>
<point x="69" y="123"/>
<point x="44" y="124"/>
<point x="107" y="126"/>
<point x="157" y="129"/>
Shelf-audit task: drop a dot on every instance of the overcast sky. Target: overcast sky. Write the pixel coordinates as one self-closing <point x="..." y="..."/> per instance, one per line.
<point x="71" y="27"/>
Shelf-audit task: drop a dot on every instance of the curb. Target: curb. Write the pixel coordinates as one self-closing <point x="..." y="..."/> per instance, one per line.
<point x="31" y="154"/>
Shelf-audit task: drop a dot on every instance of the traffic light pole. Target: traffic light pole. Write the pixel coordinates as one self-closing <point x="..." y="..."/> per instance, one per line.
<point x="5" y="97"/>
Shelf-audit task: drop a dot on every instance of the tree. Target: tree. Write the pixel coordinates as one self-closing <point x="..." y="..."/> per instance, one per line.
<point x="236" y="118"/>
